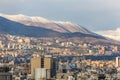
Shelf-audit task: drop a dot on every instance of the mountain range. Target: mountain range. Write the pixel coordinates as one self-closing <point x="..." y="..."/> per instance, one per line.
<point x="22" y="25"/>
<point x="59" y="26"/>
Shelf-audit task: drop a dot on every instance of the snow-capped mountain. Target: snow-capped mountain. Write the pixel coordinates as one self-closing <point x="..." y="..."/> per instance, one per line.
<point x="59" y="26"/>
<point x="20" y="18"/>
<point x="22" y="25"/>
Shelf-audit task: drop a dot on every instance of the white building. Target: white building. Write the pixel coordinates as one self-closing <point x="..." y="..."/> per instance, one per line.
<point x="117" y="62"/>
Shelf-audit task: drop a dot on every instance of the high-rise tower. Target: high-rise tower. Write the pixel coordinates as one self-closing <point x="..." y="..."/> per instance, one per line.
<point x="45" y="64"/>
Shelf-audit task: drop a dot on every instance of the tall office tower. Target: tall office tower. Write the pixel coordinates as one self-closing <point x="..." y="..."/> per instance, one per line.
<point x="44" y="65"/>
<point x="117" y="61"/>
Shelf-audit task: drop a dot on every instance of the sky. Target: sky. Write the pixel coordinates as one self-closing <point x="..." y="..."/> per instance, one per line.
<point x="101" y="16"/>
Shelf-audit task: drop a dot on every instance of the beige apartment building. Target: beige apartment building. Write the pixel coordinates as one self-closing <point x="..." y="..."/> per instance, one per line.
<point x="46" y="65"/>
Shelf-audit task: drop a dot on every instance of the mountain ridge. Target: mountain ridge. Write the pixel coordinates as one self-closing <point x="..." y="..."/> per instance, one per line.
<point x="11" y="27"/>
<point x="59" y="26"/>
<point x="15" y="28"/>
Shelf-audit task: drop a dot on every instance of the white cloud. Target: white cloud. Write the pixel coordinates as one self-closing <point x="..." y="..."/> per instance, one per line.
<point x="113" y="34"/>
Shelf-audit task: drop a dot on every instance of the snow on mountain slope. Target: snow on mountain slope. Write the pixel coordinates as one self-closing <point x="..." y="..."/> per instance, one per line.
<point x="59" y="26"/>
<point x="21" y="17"/>
<point x="72" y="27"/>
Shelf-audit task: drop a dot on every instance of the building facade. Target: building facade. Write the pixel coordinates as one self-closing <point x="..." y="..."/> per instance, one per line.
<point x="117" y="61"/>
<point x="45" y="64"/>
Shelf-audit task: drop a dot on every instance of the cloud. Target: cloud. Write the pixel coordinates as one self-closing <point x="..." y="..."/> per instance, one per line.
<point x="113" y="34"/>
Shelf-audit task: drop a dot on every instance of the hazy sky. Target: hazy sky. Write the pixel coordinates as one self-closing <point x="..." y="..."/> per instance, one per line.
<point x="96" y="15"/>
